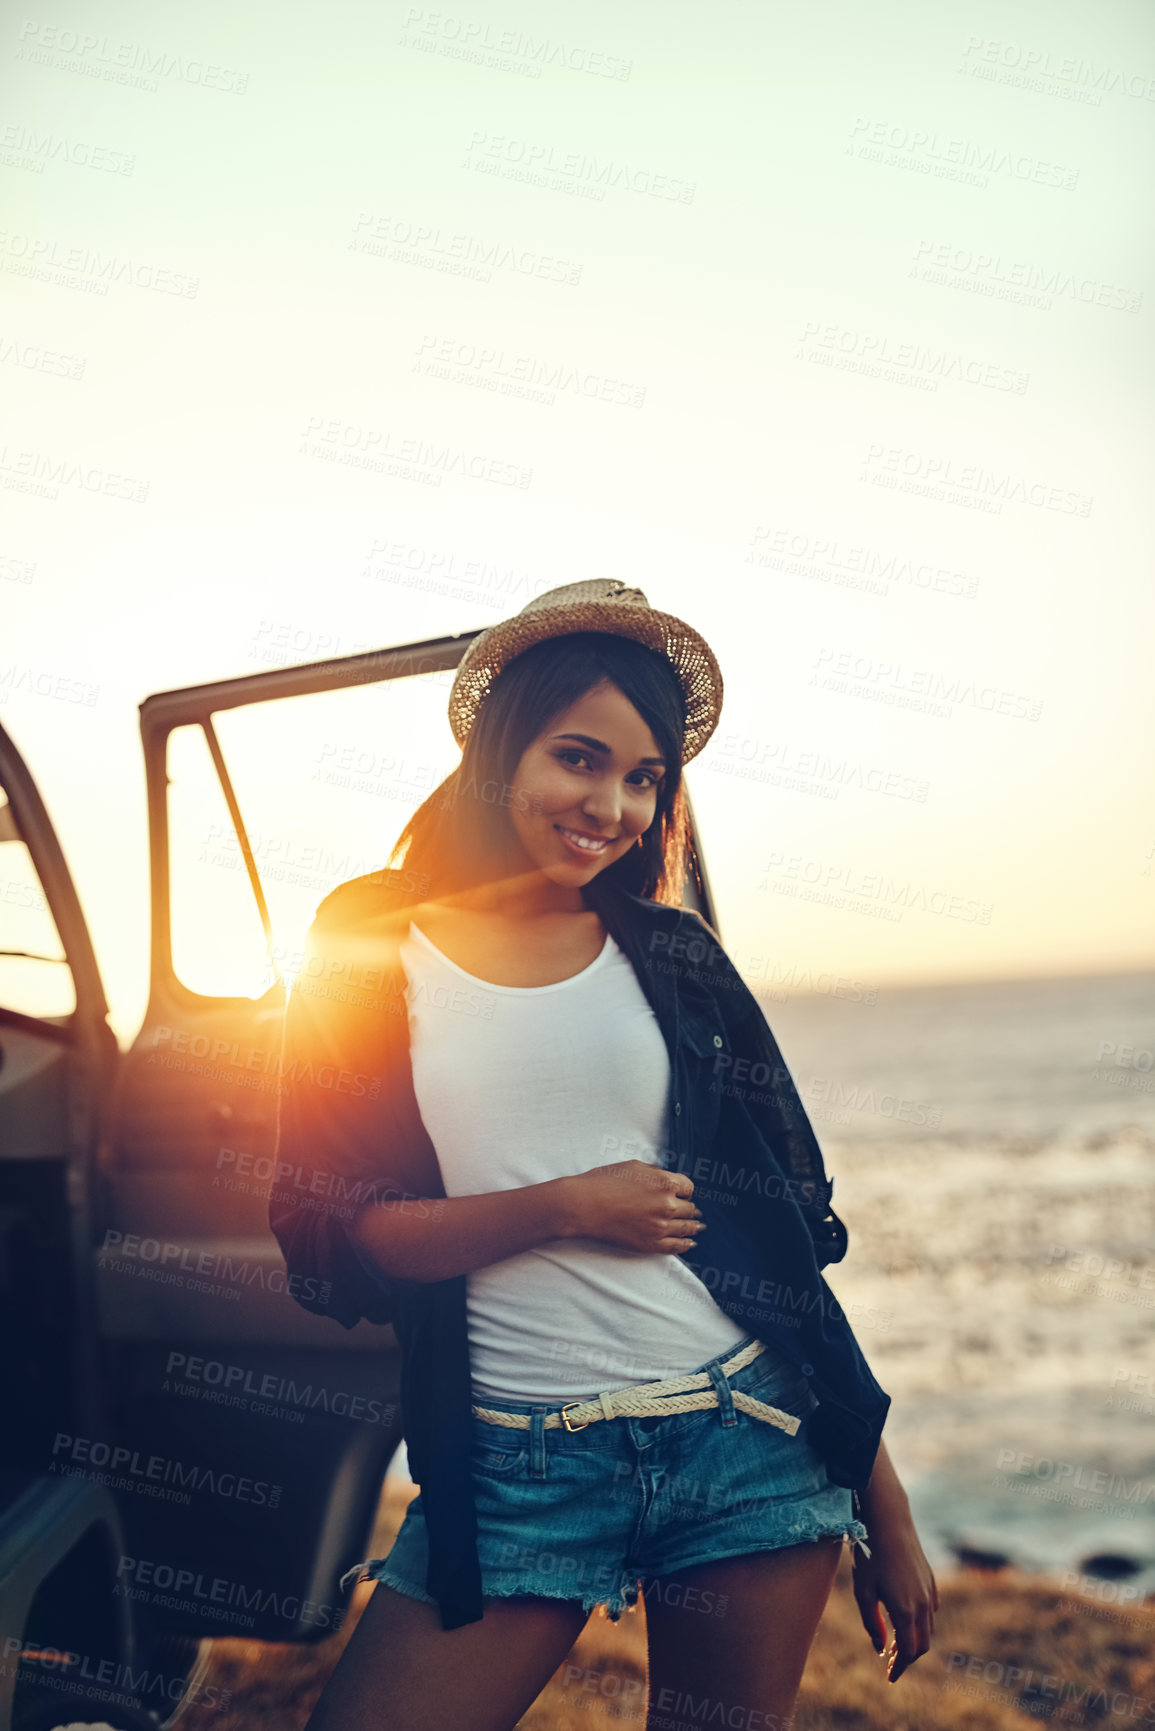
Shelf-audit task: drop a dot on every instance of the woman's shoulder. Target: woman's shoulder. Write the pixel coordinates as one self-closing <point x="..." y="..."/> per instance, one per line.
<point x="658" y="913"/>
<point x="364" y="920"/>
<point x="686" y="921"/>
<point x="383" y="896"/>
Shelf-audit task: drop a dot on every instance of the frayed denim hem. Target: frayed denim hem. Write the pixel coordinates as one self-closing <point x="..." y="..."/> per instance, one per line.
<point x="613" y="1603"/>
<point x="377" y="1569"/>
<point x="621" y="1598"/>
<point x="382" y="1572"/>
<point x="626" y="1600"/>
<point x="802" y="1535"/>
<point x="858" y="1535"/>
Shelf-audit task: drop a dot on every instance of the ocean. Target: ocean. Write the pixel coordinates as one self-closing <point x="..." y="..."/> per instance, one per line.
<point x="992" y="1147"/>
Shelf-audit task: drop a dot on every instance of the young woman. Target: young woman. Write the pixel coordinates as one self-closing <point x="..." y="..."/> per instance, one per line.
<point x="627" y="1432"/>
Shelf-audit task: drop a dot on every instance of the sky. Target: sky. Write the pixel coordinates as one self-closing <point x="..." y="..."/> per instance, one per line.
<point x="827" y="327"/>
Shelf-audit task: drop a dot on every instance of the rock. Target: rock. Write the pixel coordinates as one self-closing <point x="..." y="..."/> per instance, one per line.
<point x="1110" y="1566"/>
<point x="975" y="1554"/>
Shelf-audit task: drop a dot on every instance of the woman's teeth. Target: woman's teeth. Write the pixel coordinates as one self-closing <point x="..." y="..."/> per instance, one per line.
<point x="581" y="841"/>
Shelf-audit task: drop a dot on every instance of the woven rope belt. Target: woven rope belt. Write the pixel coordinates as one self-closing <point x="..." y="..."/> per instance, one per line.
<point x="648" y="1399"/>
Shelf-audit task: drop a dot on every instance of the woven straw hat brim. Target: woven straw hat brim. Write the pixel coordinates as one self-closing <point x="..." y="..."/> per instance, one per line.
<point x="692" y="658"/>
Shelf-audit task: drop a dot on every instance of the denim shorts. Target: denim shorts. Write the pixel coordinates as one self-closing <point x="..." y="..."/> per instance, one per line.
<point x="594" y="1514"/>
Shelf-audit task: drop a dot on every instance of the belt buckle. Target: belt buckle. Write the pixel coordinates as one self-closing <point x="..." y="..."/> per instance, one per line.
<point x="565" y="1418"/>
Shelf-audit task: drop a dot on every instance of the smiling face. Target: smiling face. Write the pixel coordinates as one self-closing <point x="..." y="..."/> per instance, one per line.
<point x="587" y="787"/>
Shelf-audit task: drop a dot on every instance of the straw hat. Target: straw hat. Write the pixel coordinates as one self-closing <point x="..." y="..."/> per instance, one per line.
<point x="600" y="604"/>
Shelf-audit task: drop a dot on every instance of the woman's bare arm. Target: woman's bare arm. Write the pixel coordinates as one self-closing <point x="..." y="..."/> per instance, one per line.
<point x="436" y="1238"/>
<point x="630" y="1204"/>
<point x="896" y="1574"/>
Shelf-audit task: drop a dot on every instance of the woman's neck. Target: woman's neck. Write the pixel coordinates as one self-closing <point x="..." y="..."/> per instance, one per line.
<point x="523" y="896"/>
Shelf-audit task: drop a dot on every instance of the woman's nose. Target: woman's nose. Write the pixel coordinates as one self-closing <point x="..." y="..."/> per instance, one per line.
<point x="604" y="810"/>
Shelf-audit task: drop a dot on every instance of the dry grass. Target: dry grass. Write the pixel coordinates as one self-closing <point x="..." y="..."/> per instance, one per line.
<point x="1010" y="1650"/>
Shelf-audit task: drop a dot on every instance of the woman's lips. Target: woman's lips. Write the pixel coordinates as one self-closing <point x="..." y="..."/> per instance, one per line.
<point x="581" y="844"/>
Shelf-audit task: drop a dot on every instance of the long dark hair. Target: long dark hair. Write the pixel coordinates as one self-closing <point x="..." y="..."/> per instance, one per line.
<point x="458" y="837"/>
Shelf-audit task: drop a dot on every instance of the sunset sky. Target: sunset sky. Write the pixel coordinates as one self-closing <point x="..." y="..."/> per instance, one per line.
<point x="834" y="340"/>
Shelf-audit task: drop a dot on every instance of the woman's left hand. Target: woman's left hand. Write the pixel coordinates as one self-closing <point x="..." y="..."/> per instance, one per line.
<point x="896" y="1574"/>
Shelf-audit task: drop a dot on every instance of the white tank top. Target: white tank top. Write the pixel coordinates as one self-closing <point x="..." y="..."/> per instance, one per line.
<point x="520" y="1084"/>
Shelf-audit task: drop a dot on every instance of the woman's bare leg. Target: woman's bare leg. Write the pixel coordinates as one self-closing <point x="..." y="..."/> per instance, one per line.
<point x="401" y="1671"/>
<point x="751" y="1654"/>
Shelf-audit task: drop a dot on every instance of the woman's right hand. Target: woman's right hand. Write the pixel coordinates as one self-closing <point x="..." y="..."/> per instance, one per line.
<point x="634" y="1205"/>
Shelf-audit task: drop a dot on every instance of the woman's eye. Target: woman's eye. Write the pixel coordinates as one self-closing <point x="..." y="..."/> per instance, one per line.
<point x="570" y="752"/>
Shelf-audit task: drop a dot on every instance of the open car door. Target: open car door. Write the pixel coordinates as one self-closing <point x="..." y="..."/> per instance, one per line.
<point x="60" y="1537"/>
<point x="250" y="1437"/>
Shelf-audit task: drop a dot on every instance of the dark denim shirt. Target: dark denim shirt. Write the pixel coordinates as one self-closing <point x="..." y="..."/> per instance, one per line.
<point x="349" y="1132"/>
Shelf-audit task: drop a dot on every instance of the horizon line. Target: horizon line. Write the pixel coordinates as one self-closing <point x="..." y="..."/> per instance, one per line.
<point x="913" y="985"/>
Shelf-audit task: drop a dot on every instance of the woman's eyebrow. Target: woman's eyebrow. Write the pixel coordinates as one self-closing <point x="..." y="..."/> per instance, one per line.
<point x="600" y="745"/>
